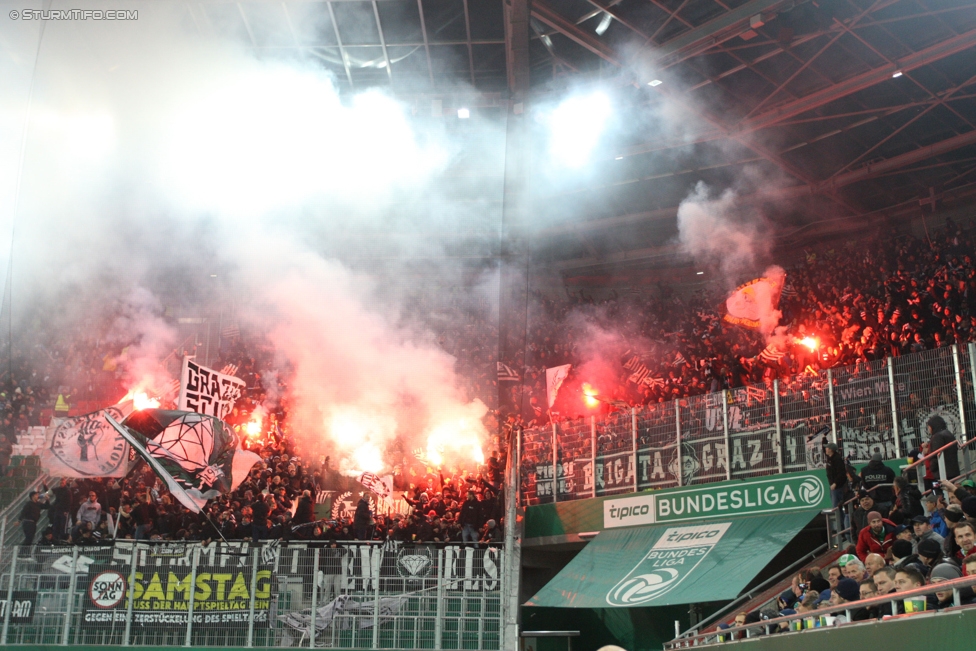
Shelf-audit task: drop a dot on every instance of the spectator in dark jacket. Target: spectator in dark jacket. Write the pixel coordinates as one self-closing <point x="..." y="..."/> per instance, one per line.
<point x="305" y="511"/>
<point x="837" y="478"/>
<point x="470" y="519"/>
<point x="940" y="436"/>
<point x="29" y="515"/>
<point x="875" y="474"/>
<point x="361" y="521"/>
<point x="908" y="502"/>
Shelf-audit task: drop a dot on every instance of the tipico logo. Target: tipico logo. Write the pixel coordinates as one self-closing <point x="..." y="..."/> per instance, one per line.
<point x="628" y="511"/>
<point x="673" y="557"/>
<point x="811" y="491"/>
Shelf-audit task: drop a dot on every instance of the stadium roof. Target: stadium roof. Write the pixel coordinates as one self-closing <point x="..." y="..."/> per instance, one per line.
<point x="844" y="111"/>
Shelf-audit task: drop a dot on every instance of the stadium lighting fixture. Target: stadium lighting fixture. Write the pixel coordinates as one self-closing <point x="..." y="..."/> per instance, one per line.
<point x="655" y="82"/>
<point x="897" y="74"/>
<point x="576" y="126"/>
<point x="604" y="24"/>
<point x="700" y="273"/>
<point x="464" y="113"/>
<point x="619" y="158"/>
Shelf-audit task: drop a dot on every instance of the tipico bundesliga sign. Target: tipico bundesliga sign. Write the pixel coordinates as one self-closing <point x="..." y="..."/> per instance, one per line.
<point x="756" y="497"/>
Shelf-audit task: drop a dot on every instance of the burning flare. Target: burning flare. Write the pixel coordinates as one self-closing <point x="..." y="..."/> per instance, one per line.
<point x="253" y="427"/>
<point x="809" y="342"/>
<point x="140" y="400"/>
<point x="590" y="395"/>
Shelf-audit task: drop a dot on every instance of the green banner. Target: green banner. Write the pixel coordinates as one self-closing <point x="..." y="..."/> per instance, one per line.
<point x="799" y="491"/>
<point x="666" y="565"/>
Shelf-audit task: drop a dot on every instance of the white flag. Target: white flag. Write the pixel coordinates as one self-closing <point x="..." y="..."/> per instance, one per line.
<point x="554" y="379"/>
<point x="207" y="391"/>
<point x="88" y="446"/>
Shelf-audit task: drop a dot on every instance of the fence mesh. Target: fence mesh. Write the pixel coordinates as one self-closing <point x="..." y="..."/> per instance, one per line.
<point x="704" y="454"/>
<point x="615" y="454"/>
<point x="925" y="387"/>
<point x="575" y="442"/>
<point x="657" y="459"/>
<point x="925" y="384"/>
<point x="382" y="596"/>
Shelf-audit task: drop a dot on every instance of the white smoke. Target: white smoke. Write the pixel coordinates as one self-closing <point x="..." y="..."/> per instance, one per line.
<point x="175" y="170"/>
<point x="721" y="232"/>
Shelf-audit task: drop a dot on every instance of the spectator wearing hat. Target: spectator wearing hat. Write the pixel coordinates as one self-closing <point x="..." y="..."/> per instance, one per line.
<point x="847" y="591"/>
<point x="875" y="475"/>
<point x="903" y="556"/>
<point x="923" y="531"/>
<point x="940" y="436"/>
<point x="947" y="572"/>
<point x="930" y="503"/>
<point x="930" y="554"/>
<point x="866" y="504"/>
<point x="837" y="478"/>
<point x="877" y="537"/>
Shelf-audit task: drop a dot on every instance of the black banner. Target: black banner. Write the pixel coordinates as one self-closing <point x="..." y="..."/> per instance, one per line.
<point x="22" y="610"/>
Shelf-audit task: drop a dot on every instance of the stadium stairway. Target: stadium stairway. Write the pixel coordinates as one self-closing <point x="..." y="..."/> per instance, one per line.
<point x="25" y="475"/>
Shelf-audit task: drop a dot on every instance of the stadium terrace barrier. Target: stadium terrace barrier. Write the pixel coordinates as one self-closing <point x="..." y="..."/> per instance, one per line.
<point x="352" y="595"/>
<point x="908" y="603"/>
<point x="871" y="407"/>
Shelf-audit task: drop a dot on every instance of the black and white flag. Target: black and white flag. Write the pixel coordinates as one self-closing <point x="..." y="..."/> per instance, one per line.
<point x="207" y="391"/>
<point x="506" y="374"/>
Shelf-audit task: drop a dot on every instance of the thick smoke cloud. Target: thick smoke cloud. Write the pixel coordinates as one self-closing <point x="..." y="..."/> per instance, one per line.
<point x="720" y="231"/>
<point x="164" y="169"/>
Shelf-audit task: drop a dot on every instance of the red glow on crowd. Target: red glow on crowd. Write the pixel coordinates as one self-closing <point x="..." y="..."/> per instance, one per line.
<point x="140" y="400"/>
<point x="810" y="342"/>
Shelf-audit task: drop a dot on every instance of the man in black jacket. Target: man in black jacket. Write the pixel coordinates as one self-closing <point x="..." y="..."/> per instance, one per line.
<point x="875" y="474"/>
<point x="29" y="515"/>
<point x="940" y="436"/>
<point x="908" y="501"/>
<point x="470" y="519"/>
<point x="837" y="478"/>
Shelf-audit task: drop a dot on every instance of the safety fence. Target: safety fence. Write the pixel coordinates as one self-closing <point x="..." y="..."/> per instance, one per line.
<point x="348" y="595"/>
<point x="782" y="426"/>
<point x="929" y="599"/>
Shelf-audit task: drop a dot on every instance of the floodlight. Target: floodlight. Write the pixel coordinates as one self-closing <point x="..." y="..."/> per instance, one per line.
<point x="576" y="126"/>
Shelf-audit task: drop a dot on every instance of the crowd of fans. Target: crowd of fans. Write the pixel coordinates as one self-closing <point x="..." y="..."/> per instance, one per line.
<point x="280" y="497"/>
<point x="936" y="545"/>
<point x="862" y="301"/>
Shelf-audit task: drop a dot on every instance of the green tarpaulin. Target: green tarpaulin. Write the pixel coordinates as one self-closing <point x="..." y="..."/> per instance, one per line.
<point x="666" y="565"/>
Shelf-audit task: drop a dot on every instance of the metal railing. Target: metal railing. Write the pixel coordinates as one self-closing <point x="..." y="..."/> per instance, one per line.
<point x="878" y="407"/>
<point x="905" y="603"/>
<point x="351" y="595"/>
